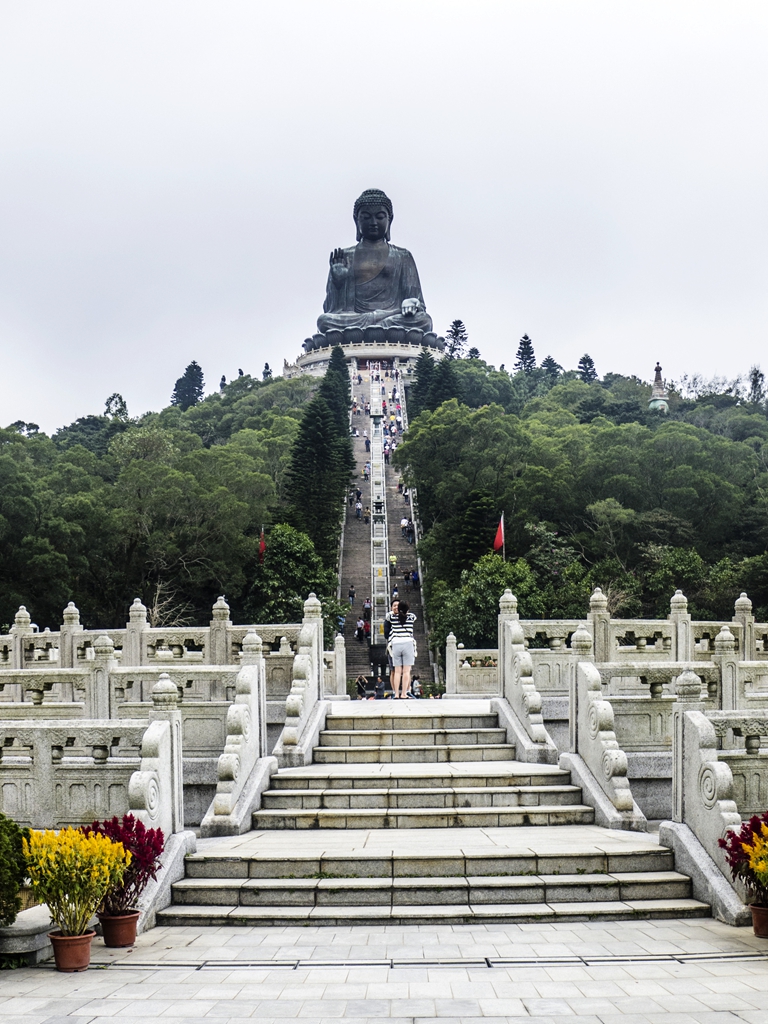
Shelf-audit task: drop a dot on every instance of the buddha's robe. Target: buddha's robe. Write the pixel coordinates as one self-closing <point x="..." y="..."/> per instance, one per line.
<point x="352" y="303"/>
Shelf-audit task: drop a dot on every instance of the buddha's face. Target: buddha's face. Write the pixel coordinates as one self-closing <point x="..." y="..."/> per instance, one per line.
<point x="373" y="223"/>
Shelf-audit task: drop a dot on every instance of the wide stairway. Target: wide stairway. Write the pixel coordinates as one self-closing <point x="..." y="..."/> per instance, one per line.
<point x="351" y="837"/>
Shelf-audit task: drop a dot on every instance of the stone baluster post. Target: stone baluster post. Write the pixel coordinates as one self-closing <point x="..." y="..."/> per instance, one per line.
<point x="340" y="665"/>
<point x="253" y="654"/>
<point x="688" y="689"/>
<point x="165" y="699"/>
<point x="581" y="645"/>
<point x="682" y="634"/>
<point x="67" y="643"/>
<point x="451" y="664"/>
<point x="313" y="613"/>
<point x="727" y="658"/>
<point x="218" y="637"/>
<point x="745" y="618"/>
<point x="133" y="651"/>
<point x="507" y="613"/>
<point x="21" y="628"/>
<point x="97" y="700"/>
<point x="600" y="620"/>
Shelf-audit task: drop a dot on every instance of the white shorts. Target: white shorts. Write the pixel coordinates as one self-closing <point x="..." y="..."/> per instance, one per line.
<point x="402" y="653"/>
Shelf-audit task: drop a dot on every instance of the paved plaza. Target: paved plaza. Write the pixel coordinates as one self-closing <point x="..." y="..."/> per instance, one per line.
<point x="660" y="972"/>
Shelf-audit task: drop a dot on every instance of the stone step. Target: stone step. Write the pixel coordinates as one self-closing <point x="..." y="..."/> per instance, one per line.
<point x="426" y="817"/>
<point x="401" y="737"/>
<point x="464" y="913"/>
<point x="535" y="854"/>
<point x="366" y="721"/>
<point x="413" y="754"/>
<point x="496" y="774"/>
<point x="394" y="892"/>
<point x="422" y="797"/>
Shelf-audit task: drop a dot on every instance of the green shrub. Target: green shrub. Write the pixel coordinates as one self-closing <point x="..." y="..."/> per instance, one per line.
<point x="13" y="869"/>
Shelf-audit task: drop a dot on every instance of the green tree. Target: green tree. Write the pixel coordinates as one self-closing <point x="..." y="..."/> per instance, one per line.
<point x="474" y="353"/>
<point x="456" y="338"/>
<point x="424" y="373"/>
<point x="586" y="369"/>
<point x="525" y="361"/>
<point x="189" y="388"/>
<point x="445" y="385"/>
<point x="290" y="572"/>
<point x="266" y="373"/>
<point x="551" y="368"/>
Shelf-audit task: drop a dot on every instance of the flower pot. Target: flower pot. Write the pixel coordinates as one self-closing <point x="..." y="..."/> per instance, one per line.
<point x="71" y="952"/>
<point x="760" y="920"/>
<point x="119" y="930"/>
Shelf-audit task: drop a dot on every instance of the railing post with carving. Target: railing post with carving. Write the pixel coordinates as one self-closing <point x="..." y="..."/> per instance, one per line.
<point x="688" y="689"/>
<point x="726" y="658"/>
<point x="21" y="628"/>
<point x="313" y="615"/>
<point x="98" y="697"/>
<point x="218" y="637"/>
<point x="340" y="665"/>
<point x="165" y="697"/>
<point x="600" y="620"/>
<point x="70" y="626"/>
<point x="451" y="664"/>
<point x="682" y="634"/>
<point x="581" y="644"/>
<point x="745" y="618"/>
<point x="134" y="630"/>
<point x="507" y="613"/>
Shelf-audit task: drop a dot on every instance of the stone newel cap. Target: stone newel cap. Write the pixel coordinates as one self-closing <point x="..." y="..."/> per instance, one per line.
<point x="508" y="603"/>
<point x="688" y="686"/>
<point x="221" y="609"/>
<point x="71" y="615"/>
<point x="743" y="604"/>
<point x="581" y="640"/>
<point x="138" y="611"/>
<point x="103" y="647"/>
<point x="598" y="602"/>
<point x="313" y="609"/>
<point x="678" y="603"/>
<point x="251" y="648"/>
<point x="725" y="641"/>
<point x="165" y="696"/>
<point x="22" y="618"/>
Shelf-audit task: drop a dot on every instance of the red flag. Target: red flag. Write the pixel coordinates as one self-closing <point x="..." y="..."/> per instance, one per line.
<point x="262" y="547"/>
<point x="498" y="543"/>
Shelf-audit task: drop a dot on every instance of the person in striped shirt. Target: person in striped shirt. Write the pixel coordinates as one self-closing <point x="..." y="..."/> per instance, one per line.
<point x="402" y="648"/>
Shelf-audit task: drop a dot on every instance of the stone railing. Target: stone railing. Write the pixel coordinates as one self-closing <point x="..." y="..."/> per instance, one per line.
<point x="304" y="707"/>
<point x="25" y="647"/>
<point x="596" y="759"/>
<point x="243" y="770"/>
<point x="471" y="673"/>
<point x="520" y="695"/>
<point x="69" y="772"/>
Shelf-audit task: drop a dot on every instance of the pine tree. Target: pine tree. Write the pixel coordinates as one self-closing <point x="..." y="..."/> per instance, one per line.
<point x="267" y="372"/>
<point x="189" y="388"/>
<point x="445" y="385"/>
<point x="586" y="369"/>
<point x="455" y="340"/>
<point x="474" y="353"/>
<point x="551" y="368"/>
<point x="756" y="385"/>
<point x="424" y="373"/>
<point x="317" y="477"/>
<point x="526" y="360"/>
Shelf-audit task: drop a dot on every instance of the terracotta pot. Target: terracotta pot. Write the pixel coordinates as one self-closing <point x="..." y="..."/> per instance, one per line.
<point x="760" y="920"/>
<point x="71" y="952"/>
<point x="119" y="930"/>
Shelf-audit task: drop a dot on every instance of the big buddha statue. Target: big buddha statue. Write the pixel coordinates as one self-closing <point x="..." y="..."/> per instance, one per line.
<point x="373" y="283"/>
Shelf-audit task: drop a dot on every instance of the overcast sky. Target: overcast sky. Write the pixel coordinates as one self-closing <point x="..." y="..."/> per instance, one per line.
<point x="173" y="176"/>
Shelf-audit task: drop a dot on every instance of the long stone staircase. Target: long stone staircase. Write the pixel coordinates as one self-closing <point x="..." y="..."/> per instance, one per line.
<point x="351" y="837"/>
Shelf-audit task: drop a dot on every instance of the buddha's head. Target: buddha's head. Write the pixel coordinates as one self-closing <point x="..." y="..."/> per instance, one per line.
<point x="373" y="215"/>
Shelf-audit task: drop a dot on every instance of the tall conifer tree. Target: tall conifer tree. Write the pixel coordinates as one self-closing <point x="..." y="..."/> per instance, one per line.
<point x="525" y="360"/>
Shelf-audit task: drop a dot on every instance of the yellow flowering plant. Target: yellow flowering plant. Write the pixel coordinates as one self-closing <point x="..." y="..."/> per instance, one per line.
<point x="746" y="851"/>
<point x="71" y="872"/>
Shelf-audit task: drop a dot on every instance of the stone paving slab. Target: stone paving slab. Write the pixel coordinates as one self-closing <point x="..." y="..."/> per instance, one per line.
<point x="649" y="972"/>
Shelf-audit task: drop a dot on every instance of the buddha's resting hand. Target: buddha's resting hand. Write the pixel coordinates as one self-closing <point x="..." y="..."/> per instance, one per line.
<point x="410" y="307"/>
<point x="339" y="267"/>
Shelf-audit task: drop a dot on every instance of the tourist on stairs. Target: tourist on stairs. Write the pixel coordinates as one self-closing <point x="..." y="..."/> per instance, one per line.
<point x="402" y="649"/>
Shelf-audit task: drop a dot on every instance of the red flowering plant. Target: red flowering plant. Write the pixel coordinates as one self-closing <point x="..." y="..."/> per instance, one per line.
<point x="746" y="850"/>
<point x="146" y="845"/>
